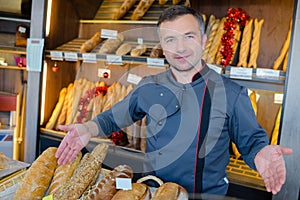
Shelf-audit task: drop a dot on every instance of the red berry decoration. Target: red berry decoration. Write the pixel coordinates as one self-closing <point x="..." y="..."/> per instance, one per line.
<point x="55" y="67"/>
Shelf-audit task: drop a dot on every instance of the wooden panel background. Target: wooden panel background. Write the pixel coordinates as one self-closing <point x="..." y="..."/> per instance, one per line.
<point x="276" y="14"/>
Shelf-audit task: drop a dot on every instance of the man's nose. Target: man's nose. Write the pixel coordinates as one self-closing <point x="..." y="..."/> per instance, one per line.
<point x="180" y="46"/>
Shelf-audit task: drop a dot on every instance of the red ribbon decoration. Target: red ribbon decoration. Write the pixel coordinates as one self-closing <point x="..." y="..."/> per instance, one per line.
<point x="234" y="17"/>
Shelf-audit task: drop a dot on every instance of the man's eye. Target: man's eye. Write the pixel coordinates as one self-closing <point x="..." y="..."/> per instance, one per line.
<point x="189" y="37"/>
<point x="169" y="40"/>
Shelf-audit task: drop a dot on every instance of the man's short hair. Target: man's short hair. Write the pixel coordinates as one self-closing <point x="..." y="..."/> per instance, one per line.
<point x="175" y="11"/>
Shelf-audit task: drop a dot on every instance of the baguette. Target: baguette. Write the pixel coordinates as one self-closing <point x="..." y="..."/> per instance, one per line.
<point x="170" y="191"/>
<point x="124" y="8"/>
<point x="112" y="44"/>
<point x="255" y="43"/>
<point x="106" y="187"/>
<point x="38" y="177"/>
<point x="175" y="2"/>
<point x="84" y="174"/>
<point x="162" y="2"/>
<point x="90" y="44"/>
<point x="139" y="191"/>
<point x="141" y="9"/>
<point x="55" y="114"/>
<point x="62" y="174"/>
<point x="63" y="114"/>
<point x="245" y="44"/>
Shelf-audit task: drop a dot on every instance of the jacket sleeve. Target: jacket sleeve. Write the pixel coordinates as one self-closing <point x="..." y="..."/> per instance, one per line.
<point x="245" y="131"/>
<point x="122" y="114"/>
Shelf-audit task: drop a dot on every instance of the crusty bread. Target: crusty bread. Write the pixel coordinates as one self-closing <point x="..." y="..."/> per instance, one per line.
<point x="38" y="176"/>
<point x="62" y="174"/>
<point x="255" y="43"/>
<point x="139" y="191"/>
<point x="84" y="174"/>
<point x="106" y="187"/>
<point x="123" y="49"/>
<point x="90" y="44"/>
<point x="139" y="50"/>
<point x="141" y="9"/>
<point x="157" y="51"/>
<point x="124" y="8"/>
<point x="170" y="191"/>
<point x="112" y="44"/>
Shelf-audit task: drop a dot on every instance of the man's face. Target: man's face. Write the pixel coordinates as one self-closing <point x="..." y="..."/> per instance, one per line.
<point x="182" y="43"/>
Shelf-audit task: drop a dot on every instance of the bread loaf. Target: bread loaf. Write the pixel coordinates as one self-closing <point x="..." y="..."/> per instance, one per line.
<point x="140" y="191"/>
<point x="84" y="173"/>
<point x="63" y="114"/>
<point x="170" y="191"/>
<point x="141" y="9"/>
<point x="38" y="176"/>
<point x="123" y="49"/>
<point x="139" y="50"/>
<point x="175" y="2"/>
<point x="112" y="44"/>
<point x="124" y="8"/>
<point x="62" y="174"/>
<point x="106" y="187"/>
<point x="255" y="43"/>
<point x="157" y="51"/>
<point x="245" y="44"/>
<point x="162" y="2"/>
<point x="90" y="44"/>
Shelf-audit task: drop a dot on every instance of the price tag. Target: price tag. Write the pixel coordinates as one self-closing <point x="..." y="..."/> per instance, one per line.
<point x="71" y="56"/>
<point x="140" y="41"/>
<point x="267" y="73"/>
<point x="123" y="183"/>
<point x="34" y="54"/>
<point x="215" y="68"/>
<point x="22" y="29"/>
<point x="89" y="58"/>
<point x="113" y="59"/>
<point x="241" y="73"/>
<point x="133" y="78"/>
<point x="106" y="33"/>
<point x="49" y="197"/>
<point x="155" y="62"/>
<point x="278" y="98"/>
<point x="56" y="55"/>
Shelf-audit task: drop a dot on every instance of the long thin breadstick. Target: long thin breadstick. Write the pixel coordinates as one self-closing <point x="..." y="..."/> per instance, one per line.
<point x="255" y="43"/>
<point x="284" y="49"/>
<point x="245" y="44"/>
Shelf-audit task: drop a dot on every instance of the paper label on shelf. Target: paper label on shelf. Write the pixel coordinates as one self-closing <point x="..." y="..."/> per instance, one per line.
<point x="22" y="29"/>
<point x="216" y="68"/>
<point x="89" y="57"/>
<point x="106" y="33"/>
<point x="133" y="78"/>
<point x="56" y="55"/>
<point x="71" y="56"/>
<point x="34" y="54"/>
<point x="156" y="62"/>
<point x="113" y="59"/>
<point x="140" y="41"/>
<point x="267" y="73"/>
<point x="278" y="98"/>
<point x="123" y="183"/>
<point x="241" y="73"/>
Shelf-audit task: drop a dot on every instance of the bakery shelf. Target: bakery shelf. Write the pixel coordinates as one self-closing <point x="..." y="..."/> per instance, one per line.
<point x="12" y="50"/>
<point x="13" y="67"/>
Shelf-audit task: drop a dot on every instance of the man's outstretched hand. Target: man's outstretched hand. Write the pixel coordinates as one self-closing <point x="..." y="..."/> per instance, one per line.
<point x="76" y="138"/>
<point x="270" y="164"/>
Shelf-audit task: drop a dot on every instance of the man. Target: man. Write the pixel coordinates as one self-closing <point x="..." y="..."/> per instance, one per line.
<point x="192" y="115"/>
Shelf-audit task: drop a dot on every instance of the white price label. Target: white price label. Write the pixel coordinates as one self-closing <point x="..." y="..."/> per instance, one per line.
<point x="89" y="58"/>
<point x="22" y="29"/>
<point x="123" y="183"/>
<point x="56" y="55"/>
<point x="71" y="56"/>
<point x="140" y="41"/>
<point x="113" y="59"/>
<point x="106" y="33"/>
<point x="267" y="73"/>
<point x="133" y="78"/>
<point x="278" y="98"/>
<point x="241" y="73"/>
<point x="215" y="68"/>
<point x="155" y="62"/>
